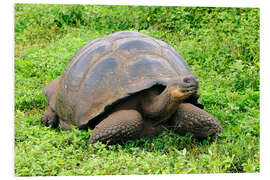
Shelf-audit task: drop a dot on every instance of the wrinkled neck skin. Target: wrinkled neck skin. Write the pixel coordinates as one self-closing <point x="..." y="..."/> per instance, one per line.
<point x="159" y="107"/>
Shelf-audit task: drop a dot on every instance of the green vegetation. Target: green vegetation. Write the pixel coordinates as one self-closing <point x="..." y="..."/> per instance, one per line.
<point x="221" y="45"/>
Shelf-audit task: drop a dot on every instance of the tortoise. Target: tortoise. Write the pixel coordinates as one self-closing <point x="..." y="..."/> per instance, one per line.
<point x="125" y="86"/>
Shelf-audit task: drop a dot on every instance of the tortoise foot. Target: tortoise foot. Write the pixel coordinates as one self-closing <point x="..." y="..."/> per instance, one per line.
<point x="50" y="118"/>
<point x="120" y="126"/>
<point x="191" y="119"/>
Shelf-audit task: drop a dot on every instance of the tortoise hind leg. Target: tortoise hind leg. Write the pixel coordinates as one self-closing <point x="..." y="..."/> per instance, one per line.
<point x="120" y="126"/>
<point x="50" y="118"/>
<point x="191" y="119"/>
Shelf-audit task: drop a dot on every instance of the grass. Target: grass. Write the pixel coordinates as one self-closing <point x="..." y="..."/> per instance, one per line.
<point x="221" y="46"/>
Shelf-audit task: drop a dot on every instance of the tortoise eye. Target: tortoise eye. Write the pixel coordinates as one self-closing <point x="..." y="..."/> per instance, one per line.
<point x="187" y="80"/>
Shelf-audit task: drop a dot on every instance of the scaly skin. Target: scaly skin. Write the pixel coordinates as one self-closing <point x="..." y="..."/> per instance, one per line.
<point x="119" y="126"/>
<point x="191" y="119"/>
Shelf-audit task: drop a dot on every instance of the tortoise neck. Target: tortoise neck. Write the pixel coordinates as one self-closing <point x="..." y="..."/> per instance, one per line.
<point x="159" y="106"/>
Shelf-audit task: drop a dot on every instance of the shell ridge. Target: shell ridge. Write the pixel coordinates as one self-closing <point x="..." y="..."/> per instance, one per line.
<point x="92" y="64"/>
<point x="171" y="63"/>
<point x="77" y="56"/>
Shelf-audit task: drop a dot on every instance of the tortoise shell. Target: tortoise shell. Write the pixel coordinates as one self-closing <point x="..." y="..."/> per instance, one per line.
<point x="109" y="69"/>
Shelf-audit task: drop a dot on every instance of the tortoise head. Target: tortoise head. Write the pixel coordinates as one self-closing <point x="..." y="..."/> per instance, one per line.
<point x="183" y="87"/>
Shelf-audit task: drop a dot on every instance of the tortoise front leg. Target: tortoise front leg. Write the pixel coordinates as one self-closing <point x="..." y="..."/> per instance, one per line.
<point x="191" y="119"/>
<point x="120" y="126"/>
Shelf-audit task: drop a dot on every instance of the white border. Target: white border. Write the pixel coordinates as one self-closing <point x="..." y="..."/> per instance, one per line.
<point x="264" y="89"/>
<point x="7" y="79"/>
<point x="208" y="3"/>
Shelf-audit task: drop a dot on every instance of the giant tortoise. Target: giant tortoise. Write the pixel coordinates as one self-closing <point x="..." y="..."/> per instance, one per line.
<point x="125" y="86"/>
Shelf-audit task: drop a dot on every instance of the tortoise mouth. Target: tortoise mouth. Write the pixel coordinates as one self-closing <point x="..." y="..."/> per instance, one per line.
<point x="189" y="89"/>
<point x="182" y="94"/>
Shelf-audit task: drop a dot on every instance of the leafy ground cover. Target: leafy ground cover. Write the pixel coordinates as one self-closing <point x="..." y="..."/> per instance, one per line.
<point x="221" y="46"/>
